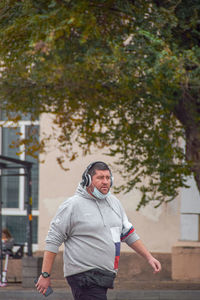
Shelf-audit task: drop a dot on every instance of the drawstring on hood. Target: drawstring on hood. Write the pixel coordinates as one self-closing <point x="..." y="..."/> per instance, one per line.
<point x="115" y="211"/>
<point x="82" y="190"/>
<point x="97" y="204"/>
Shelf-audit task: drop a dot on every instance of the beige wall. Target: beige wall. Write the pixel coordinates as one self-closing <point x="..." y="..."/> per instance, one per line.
<point x="158" y="228"/>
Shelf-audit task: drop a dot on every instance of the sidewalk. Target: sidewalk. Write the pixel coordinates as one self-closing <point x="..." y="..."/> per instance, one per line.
<point x="60" y="294"/>
<point x="139" y="290"/>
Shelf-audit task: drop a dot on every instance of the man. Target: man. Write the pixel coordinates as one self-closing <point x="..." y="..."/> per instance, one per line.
<point x="91" y="224"/>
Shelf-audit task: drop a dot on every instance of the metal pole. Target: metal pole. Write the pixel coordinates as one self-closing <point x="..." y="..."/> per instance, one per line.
<point x="1" y="248"/>
<point x="29" y="211"/>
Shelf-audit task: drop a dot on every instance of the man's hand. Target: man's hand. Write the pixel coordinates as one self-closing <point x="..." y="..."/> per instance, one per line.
<point x="142" y="250"/>
<point x="43" y="284"/>
<point x="155" y="264"/>
<point x="48" y="261"/>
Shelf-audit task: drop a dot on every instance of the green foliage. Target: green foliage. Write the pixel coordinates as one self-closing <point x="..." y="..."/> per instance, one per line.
<point x="115" y="73"/>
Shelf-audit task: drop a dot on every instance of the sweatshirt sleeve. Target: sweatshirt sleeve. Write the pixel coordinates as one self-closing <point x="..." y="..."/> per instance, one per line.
<point x="59" y="228"/>
<point x="128" y="234"/>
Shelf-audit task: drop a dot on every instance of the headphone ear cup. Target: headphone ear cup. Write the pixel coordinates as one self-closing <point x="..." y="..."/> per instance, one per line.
<point x="89" y="180"/>
<point x="86" y="180"/>
<point x="111" y="180"/>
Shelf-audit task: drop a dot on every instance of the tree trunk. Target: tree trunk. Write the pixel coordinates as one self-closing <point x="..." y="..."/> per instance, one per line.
<point x="187" y="112"/>
<point x="193" y="152"/>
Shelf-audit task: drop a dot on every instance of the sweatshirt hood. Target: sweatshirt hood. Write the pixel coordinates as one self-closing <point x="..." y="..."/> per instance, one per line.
<point x="83" y="192"/>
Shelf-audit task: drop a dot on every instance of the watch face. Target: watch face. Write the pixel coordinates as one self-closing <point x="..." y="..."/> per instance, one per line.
<point x="45" y="274"/>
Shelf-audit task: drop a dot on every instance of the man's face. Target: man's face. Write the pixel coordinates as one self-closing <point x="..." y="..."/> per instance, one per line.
<point x="101" y="180"/>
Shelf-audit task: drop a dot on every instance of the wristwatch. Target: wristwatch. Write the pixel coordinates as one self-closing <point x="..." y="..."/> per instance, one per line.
<point x="45" y="274"/>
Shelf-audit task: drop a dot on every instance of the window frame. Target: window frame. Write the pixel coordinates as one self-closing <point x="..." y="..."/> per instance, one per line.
<point x="21" y="210"/>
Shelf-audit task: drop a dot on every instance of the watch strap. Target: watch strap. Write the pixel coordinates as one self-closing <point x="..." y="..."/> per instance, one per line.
<point x="45" y="274"/>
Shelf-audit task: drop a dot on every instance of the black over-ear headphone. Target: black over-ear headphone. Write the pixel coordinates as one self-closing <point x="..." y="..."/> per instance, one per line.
<point x="86" y="178"/>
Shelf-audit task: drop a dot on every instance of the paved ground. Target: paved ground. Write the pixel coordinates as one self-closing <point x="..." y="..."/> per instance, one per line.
<point x="134" y="282"/>
<point x="141" y="290"/>
<point x="60" y="294"/>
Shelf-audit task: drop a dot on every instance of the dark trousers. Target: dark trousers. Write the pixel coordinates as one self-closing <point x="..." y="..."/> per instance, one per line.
<point x="87" y="291"/>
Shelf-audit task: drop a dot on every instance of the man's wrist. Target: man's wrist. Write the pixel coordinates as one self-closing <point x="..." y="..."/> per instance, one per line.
<point x="149" y="257"/>
<point x="45" y="274"/>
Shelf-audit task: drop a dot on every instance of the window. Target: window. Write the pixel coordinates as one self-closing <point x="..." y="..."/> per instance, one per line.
<point x="14" y="187"/>
<point x="10" y="184"/>
<point x="15" y="225"/>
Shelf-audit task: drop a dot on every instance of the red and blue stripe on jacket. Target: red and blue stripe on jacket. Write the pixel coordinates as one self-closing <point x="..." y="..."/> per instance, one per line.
<point x="118" y="243"/>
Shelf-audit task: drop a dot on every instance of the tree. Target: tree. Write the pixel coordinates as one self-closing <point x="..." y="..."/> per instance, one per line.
<point x="122" y="74"/>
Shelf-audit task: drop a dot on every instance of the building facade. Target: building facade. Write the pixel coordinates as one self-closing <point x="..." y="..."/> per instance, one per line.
<point x="160" y="228"/>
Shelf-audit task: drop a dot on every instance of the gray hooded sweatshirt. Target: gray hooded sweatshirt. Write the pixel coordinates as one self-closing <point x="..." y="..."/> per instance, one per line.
<point x="91" y="230"/>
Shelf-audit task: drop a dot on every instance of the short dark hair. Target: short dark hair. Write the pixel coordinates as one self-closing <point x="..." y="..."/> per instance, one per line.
<point x="98" y="166"/>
